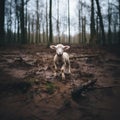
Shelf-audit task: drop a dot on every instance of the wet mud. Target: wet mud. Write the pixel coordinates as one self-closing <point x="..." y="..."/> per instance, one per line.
<point x="29" y="91"/>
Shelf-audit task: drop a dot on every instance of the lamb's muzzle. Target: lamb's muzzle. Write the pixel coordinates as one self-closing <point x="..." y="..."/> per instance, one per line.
<point x="61" y="59"/>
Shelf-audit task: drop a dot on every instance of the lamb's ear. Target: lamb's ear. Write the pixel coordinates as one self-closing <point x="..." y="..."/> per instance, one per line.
<point x="53" y="47"/>
<point x="66" y="47"/>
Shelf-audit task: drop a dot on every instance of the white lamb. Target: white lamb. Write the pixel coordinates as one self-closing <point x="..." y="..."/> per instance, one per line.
<point x="61" y="59"/>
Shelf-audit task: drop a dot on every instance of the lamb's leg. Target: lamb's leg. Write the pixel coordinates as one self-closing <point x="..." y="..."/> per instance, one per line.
<point x="55" y="72"/>
<point x="69" y="68"/>
<point x="63" y="70"/>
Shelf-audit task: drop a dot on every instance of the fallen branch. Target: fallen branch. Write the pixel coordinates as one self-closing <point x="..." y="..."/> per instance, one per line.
<point x="79" y="89"/>
<point x="106" y="87"/>
<point x="25" y="62"/>
<point x="84" y="56"/>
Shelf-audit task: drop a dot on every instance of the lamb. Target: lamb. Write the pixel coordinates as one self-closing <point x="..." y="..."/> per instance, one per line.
<point x="61" y="59"/>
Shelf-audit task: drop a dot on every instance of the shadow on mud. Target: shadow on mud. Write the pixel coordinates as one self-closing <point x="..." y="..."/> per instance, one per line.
<point x="100" y="104"/>
<point x="20" y="87"/>
<point x="9" y="84"/>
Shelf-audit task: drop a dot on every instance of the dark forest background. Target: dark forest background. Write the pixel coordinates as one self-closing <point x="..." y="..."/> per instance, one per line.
<point x="18" y="26"/>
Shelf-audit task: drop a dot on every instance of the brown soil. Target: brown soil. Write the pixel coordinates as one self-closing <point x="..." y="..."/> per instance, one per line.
<point x="29" y="91"/>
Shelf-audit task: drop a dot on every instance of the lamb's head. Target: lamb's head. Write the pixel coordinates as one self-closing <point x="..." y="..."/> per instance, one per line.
<point x="60" y="48"/>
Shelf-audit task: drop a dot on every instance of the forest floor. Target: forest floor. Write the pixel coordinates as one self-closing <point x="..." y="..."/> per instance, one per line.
<point x="29" y="91"/>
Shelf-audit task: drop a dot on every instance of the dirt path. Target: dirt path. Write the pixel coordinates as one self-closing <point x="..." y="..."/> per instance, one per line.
<point x="29" y="91"/>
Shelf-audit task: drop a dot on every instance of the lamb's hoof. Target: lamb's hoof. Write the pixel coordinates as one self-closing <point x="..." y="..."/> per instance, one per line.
<point x="63" y="77"/>
<point x="55" y="74"/>
<point x="69" y="72"/>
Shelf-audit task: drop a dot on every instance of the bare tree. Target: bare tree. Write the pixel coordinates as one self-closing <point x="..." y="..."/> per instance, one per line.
<point x="101" y="22"/>
<point x="43" y="32"/>
<point x="22" y="22"/>
<point x="115" y="31"/>
<point x="50" y="23"/>
<point x="92" y="25"/>
<point x="58" y="23"/>
<point x="25" y="17"/>
<point x="29" y="30"/>
<point x="46" y="21"/>
<point x="2" y="11"/>
<point x="109" y="23"/>
<point x="79" y="18"/>
<point x="32" y="29"/>
<point x="84" y="30"/>
<point x="116" y="19"/>
<point x="9" y="22"/>
<point x="17" y="15"/>
<point x="37" y="21"/>
<point x="69" y="21"/>
<point x="119" y="21"/>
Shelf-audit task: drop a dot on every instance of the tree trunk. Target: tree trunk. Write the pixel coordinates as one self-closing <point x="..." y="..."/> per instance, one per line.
<point x="29" y="30"/>
<point x="69" y="21"/>
<point x="92" y="25"/>
<point x="79" y="20"/>
<point x="2" y="15"/>
<point x="22" y="23"/>
<point x="50" y="24"/>
<point x="58" y="27"/>
<point x="109" y="24"/>
<point x="32" y="30"/>
<point x="84" y="30"/>
<point x="97" y="30"/>
<point x="101" y="22"/>
<point x="119" y="23"/>
<point x="17" y="15"/>
<point x="46" y="22"/>
<point x="43" y="33"/>
<point x="26" y="40"/>
<point x="37" y="22"/>
<point x="9" y="24"/>
<point x="18" y="31"/>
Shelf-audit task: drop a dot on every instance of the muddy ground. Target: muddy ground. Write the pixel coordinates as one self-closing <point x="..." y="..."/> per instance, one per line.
<point x="29" y="91"/>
